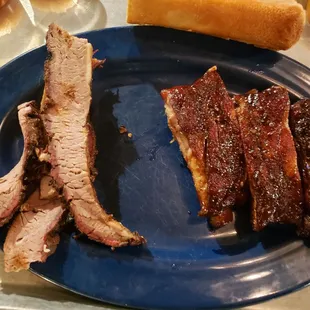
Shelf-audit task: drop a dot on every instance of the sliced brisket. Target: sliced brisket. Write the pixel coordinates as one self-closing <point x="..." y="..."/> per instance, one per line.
<point x="65" y="111"/>
<point x="271" y="158"/>
<point x="32" y="236"/>
<point x="27" y="171"/>
<point x="202" y="119"/>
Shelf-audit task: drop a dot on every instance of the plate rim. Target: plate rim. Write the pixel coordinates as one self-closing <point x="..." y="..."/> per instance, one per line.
<point x="232" y="306"/>
<point x="117" y="28"/>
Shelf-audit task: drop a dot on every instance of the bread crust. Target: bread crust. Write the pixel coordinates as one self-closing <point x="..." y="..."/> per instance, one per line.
<point x="272" y="24"/>
<point x="3" y="2"/>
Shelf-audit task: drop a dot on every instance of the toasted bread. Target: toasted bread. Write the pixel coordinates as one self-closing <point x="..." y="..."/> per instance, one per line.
<point x="3" y="2"/>
<point x="272" y="24"/>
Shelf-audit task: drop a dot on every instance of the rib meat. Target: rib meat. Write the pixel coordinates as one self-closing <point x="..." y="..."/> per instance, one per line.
<point x="202" y="119"/>
<point x="26" y="172"/>
<point x="65" y="112"/>
<point x="32" y="236"/>
<point x="271" y="158"/>
<point x="222" y="219"/>
<point x="300" y="125"/>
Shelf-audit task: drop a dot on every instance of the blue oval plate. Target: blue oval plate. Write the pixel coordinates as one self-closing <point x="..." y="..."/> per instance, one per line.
<point x="145" y="183"/>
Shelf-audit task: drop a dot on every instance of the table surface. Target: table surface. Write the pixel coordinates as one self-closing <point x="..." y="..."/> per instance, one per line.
<point x="25" y="290"/>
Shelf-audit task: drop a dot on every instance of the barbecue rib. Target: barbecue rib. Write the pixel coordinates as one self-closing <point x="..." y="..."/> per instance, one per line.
<point x="271" y="158"/>
<point x="65" y="112"/>
<point x="26" y="172"/>
<point x="202" y="119"/>
<point x="300" y="125"/>
<point x="32" y="237"/>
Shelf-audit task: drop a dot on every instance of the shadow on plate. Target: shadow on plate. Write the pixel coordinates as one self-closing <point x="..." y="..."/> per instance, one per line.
<point x="238" y="237"/>
<point x="116" y="151"/>
<point x="217" y="49"/>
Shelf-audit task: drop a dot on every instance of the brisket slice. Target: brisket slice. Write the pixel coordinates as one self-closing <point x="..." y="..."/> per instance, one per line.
<point x="300" y="126"/>
<point x="65" y="111"/>
<point x="32" y="236"/>
<point x="202" y="119"/>
<point x="27" y="171"/>
<point x="271" y="158"/>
